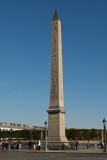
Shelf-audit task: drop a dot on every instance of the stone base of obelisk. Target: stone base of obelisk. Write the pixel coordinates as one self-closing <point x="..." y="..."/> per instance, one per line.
<point x="56" y="129"/>
<point x="57" y="145"/>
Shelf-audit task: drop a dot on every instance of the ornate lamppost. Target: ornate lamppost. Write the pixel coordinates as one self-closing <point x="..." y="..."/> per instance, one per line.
<point x="31" y="135"/>
<point x="0" y="135"/>
<point x="46" y="134"/>
<point x="11" y="133"/>
<point x="104" y="125"/>
<point x="41" y="134"/>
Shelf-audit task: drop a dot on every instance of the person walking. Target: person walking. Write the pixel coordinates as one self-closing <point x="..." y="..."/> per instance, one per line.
<point x="30" y="145"/>
<point x="88" y="144"/>
<point x="39" y="145"/>
<point x="77" y="145"/>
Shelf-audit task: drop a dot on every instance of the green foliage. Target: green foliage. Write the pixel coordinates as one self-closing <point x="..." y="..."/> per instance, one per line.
<point x="83" y="134"/>
<point x="22" y="134"/>
<point x="71" y="134"/>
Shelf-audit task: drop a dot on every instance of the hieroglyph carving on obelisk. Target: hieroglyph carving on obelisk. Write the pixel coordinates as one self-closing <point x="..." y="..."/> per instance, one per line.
<point x="56" y="93"/>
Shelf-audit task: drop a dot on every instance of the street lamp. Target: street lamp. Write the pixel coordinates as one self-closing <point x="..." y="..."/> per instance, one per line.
<point x="46" y="134"/>
<point x="104" y="125"/>
<point x="0" y="134"/>
<point x="41" y="134"/>
<point x="11" y="130"/>
<point x="31" y="136"/>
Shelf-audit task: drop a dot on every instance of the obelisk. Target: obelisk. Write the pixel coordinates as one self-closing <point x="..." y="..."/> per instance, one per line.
<point x="56" y="112"/>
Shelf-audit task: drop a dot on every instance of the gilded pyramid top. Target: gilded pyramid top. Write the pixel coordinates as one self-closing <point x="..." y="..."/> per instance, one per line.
<point x="56" y="17"/>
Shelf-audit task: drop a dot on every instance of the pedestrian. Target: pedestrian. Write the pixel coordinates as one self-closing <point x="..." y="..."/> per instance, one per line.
<point x="39" y="145"/>
<point x="88" y="144"/>
<point x="3" y="145"/>
<point x="77" y="145"/>
<point x="30" y="145"/>
<point x="6" y="145"/>
<point x="63" y="145"/>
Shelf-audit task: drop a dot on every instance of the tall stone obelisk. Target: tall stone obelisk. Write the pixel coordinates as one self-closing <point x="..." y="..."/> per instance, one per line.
<point x="56" y="112"/>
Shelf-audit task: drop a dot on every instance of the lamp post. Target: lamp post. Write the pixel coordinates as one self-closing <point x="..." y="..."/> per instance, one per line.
<point x="102" y="136"/>
<point x="11" y="130"/>
<point x="0" y="134"/>
<point x="45" y="134"/>
<point x="31" y="136"/>
<point x="104" y="125"/>
<point x="41" y="134"/>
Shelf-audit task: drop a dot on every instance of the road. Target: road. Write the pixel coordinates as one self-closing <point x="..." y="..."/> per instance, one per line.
<point x="51" y="156"/>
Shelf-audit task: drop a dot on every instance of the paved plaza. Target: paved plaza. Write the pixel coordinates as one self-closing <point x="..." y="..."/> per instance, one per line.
<point x="53" y="155"/>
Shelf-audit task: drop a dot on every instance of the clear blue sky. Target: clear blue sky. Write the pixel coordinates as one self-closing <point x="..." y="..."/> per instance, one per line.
<point x="25" y="52"/>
